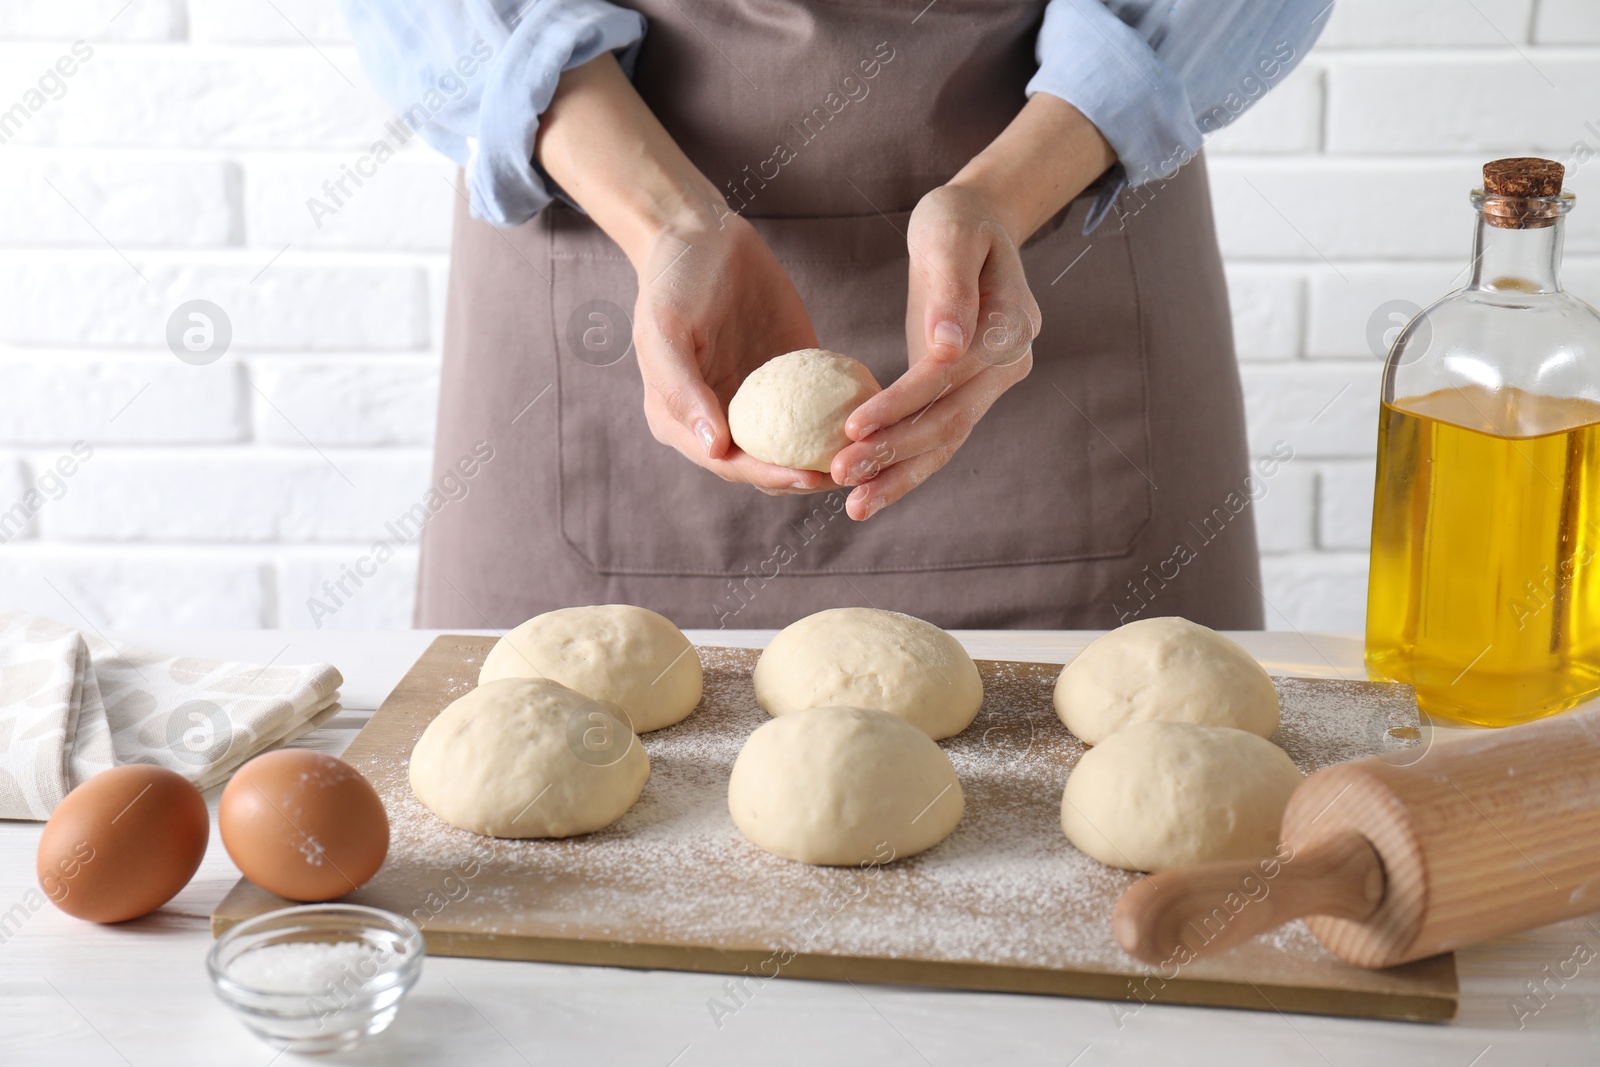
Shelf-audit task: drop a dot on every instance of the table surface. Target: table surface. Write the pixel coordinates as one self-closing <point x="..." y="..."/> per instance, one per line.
<point x="137" y="993"/>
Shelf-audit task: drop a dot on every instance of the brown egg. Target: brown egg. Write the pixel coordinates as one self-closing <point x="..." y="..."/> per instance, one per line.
<point x="123" y="843"/>
<point x="303" y="825"/>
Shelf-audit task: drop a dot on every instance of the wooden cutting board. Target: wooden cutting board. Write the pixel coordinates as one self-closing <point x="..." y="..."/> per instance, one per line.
<point x="1005" y="903"/>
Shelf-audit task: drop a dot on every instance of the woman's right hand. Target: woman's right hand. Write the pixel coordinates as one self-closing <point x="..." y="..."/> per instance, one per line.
<point x="714" y="304"/>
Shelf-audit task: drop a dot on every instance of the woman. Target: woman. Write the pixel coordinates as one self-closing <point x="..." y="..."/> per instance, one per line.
<point x="997" y="206"/>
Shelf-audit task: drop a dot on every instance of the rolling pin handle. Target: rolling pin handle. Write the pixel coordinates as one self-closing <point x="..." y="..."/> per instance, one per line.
<point x="1179" y="915"/>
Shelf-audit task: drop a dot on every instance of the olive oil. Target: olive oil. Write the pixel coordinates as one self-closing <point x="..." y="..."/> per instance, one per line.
<point x="1484" y="593"/>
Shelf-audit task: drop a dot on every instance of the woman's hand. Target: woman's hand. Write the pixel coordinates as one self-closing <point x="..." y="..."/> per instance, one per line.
<point x="970" y="324"/>
<point x="714" y="304"/>
<point x="970" y="317"/>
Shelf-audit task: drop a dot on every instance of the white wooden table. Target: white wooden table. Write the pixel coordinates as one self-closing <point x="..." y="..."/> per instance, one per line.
<point x="72" y="992"/>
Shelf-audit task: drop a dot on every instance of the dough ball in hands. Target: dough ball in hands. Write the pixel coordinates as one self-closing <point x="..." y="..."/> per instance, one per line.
<point x="1157" y="795"/>
<point x="1166" y="669"/>
<point x="528" y="757"/>
<point x="617" y="653"/>
<point x="791" y="410"/>
<point x="867" y="658"/>
<point x="837" y="786"/>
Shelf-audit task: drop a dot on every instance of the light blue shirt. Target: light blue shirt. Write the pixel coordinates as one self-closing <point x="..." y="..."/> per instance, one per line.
<point x="1155" y="76"/>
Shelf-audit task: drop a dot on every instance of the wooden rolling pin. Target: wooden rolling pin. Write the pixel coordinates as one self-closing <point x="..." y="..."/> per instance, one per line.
<point x="1392" y="858"/>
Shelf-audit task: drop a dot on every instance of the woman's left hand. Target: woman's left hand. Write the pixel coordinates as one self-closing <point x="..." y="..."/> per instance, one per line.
<point x="970" y="324"/>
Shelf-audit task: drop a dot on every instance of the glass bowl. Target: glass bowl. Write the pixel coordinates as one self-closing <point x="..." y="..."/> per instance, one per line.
<point x="317" y="978"/>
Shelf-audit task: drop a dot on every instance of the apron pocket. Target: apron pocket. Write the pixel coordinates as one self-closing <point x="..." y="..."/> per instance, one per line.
<point x="1057" y="471"/>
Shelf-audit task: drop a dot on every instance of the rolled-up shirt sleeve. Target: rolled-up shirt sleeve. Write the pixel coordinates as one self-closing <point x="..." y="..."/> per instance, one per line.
<point x="473" y="77"/>
<point x="1156" y="76"/>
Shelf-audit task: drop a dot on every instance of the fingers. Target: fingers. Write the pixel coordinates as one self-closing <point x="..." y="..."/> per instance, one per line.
<point x="735" y="465"/>
<point x="1011" y="319"/>
<point x="898" y="458"/>
<point x="869" y="499"/>
<point x="955" y="269"/>
<point x="922" y="384"/>
<point x="947" y="257"/>
<point x="740" y="466"/>
<point x="949" y="419"/>
<point x="672" y="376"/>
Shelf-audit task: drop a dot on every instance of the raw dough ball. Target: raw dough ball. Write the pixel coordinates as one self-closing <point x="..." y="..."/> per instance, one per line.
<point x="791" y="410"/>
<point x="1156" y="795"/>
<point x="528" y="757"/>
<point x="1166" y="669"/>
<point x="627" y="656"/>
<point x="867" y="658"/>
<point x="840" y="786"/>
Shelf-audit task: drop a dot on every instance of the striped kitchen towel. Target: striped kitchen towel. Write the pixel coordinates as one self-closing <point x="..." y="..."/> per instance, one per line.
<point x="72" y="705"/>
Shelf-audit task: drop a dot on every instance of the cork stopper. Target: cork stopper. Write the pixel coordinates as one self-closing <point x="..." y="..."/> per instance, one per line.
<point x="1523" y="176"/>
<point x="1519" y="192"/>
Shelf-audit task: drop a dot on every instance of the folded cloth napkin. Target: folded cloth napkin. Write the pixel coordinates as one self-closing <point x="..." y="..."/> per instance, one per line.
<point x="72" y="705"/>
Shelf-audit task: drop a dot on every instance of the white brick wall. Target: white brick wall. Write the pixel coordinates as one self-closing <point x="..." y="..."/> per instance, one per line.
<point x="176" y="162"/>
<point x="1422" y="90"/>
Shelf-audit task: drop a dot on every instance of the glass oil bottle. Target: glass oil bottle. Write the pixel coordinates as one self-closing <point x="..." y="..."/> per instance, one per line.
<point x="1484" y="590"/>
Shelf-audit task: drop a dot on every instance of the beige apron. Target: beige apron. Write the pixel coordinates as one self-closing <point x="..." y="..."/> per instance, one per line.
<point x="1100" y="489"/>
